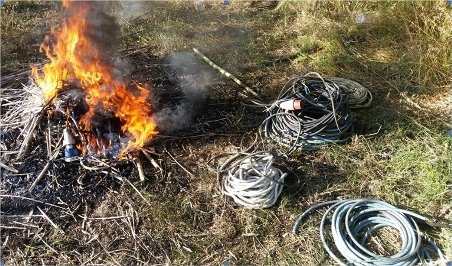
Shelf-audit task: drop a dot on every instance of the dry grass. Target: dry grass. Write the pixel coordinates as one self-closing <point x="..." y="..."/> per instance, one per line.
<point x="400" y="153"/>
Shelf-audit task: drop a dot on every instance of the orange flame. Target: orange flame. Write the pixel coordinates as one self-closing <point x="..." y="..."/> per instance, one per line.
<point x="75" y="57"/>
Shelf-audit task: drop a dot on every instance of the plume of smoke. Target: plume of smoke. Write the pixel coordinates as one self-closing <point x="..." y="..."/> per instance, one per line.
<point x="121" y="71"/>
<point x="175" y="118"/>
<point x="104" y="28"/>
<point x="127" y="11"/>
<point x="102" y="31"/>
<point x="194" y="79"/>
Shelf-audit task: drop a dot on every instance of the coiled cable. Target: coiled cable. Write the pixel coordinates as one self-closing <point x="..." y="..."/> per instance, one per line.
<point x="358" y="95"/>
<point x="251" y="179"/>
<point x="353" y="219"/>
<point x="324" y="119"/>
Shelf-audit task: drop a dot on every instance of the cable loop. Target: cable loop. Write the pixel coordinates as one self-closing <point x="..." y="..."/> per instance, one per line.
<point x="352" y="223"/>
<point x="358" y="95"/>
<point x="312" y="111"/>
<point x="251" y="181"/>
<point x="324" y="118"/>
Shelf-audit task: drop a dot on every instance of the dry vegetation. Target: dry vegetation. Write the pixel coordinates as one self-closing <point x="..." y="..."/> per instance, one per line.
<point x="400" y="152"/>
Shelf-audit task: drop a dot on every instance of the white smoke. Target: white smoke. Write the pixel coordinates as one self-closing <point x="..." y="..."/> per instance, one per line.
<point x="127" y="11"/>
<point x="194" y="78"/>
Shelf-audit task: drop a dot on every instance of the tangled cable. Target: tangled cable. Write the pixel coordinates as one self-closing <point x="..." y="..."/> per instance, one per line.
<point x="312" y="111"/>
<point x="353" y="219"/>
<point x="251" y="181"/>
<point x="322" y="118"/>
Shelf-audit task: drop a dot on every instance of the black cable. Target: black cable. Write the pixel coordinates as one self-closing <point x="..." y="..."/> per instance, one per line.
<point x="324" y="118"/>
<point x="358" y="95"/>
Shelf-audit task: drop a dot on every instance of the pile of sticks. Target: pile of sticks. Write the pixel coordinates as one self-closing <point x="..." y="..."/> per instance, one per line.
<point x="26" y="116"/>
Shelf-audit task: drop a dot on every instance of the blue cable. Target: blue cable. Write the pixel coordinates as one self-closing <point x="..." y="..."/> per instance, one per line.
<point x="353" y="219"/>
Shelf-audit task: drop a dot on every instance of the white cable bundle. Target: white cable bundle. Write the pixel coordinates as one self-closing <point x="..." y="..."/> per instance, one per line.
<point x="253" y="182"/>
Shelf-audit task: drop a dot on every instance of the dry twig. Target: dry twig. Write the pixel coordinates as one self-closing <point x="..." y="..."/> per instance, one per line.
<point x="12" y="227"/>
<point x="137" y="161"/>
<point x="23" y="109"/>
<point x="55" y="154"/>
<point x="9" y="168"/>
<point x="227" y="74"/>
<point x="103" y="218"/>
<point x="38" y="201"/>
<point x="47" y="218"/>
<point x="139" y="193"/>
<point x="181" y="166"/>
<point x="153" y="162"/>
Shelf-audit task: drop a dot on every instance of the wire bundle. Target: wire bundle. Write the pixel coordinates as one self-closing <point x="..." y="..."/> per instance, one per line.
<point x="324" y="119"/>
<point x="353" y="219"/>
<point x="358" y="95"/>
<point x="252" y="181"/>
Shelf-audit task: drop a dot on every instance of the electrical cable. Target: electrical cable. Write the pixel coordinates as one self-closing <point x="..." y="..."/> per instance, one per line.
<point x="323" y="118"/>
<point x="358" y="95"/>
<point x="251" y="180"/>
<point x="310" y="112"/>
<point x="352" y="223"/>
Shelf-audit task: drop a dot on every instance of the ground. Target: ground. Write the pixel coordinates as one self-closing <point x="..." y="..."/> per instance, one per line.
<point x="399" y="152"/>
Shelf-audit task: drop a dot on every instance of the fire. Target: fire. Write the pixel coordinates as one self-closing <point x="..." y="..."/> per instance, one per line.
<point x="75" y="58"/>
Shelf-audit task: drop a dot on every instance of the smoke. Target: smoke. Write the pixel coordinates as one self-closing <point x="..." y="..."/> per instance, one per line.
<point x="102" y="28"/>
<point x="194" y="79"/>
<point x="193" y="76"/>
<point x="127" y="11"/>
<point x="121" y="71"/>
<point x="101" y="31"/>
<point x="175" y="118"/>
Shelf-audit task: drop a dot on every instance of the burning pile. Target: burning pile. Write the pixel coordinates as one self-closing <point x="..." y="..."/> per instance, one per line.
<point x="91" y="92"/>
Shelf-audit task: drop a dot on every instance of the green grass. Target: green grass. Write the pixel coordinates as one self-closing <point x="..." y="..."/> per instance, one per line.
<point x="400" y="154"/>
<point x="404" y="39"/>
<point x="417" y="170"/>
